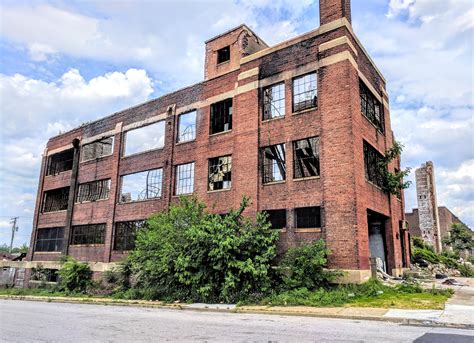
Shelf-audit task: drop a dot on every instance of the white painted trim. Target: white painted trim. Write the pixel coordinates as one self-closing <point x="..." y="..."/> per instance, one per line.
<point x="336" y="42"/>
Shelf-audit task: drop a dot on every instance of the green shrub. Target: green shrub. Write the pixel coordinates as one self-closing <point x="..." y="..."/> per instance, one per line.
<point x="418" y="242"/>
<point x="466" y="270"/>
<point x="75" y="276"/>
<point x="425" y="254"/>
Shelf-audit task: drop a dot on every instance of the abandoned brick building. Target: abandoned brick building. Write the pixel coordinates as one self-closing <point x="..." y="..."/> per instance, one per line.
<point x="298" y="127"/>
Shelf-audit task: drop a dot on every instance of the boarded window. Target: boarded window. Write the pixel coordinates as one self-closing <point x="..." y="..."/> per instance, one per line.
<point x="124" y="236"/>
<point x="223" y="54"/>
<point x="305" y="92"/>
<point x="306" y="157"/>
<point x="221" y="116"/>
<point x="60" y="162"/>
<point x="274" y="168"/>
<point x="277" y="218"/>
<point x="56" y="199"/>
<point x="371" y="107"/>
<point x="308" y="217"/>
<point x="98" y="149"/>
<point x="220" y="173"/>
<point x="186" y="127"/>
<point x="50" y="239"/>
<point x="92" y="191"/>
<point x="88" y="234"/>
<point x="141" y="186"/>
<point x="185" y="179"/>
<point x="145" y="138"/>
<point x="372" y="162"/>
<point x="274" y="101"/>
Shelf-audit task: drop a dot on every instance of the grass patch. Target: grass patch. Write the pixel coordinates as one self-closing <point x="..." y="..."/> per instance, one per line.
<point x="44" y="292"/>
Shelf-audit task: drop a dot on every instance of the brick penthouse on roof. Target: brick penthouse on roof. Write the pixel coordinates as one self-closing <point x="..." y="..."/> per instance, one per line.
<point x="297" y="127"/>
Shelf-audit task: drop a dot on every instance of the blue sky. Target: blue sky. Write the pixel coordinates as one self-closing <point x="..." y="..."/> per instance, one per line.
<point x="67" y="62"/>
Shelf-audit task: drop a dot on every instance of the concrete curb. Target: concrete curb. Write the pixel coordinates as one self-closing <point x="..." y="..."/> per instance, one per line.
<point x="157" y="304"/>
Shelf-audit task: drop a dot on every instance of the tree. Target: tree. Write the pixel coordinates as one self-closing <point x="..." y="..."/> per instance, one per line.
<point x="393" y="181"/>
<point x="459" y="238"/>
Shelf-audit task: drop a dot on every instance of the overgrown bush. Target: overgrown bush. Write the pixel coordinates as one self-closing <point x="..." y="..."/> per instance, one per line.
<point x="75" y="276"/>
<point x="466" y="270"/>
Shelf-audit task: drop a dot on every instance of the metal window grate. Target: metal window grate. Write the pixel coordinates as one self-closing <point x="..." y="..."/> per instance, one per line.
<point x="277" y="218"/>
<point x="371" y="107"/>
<point x="97" y="149"/>
<point x="55" y="200"/>
<point x="60" y="162"/>
<point x="372" y="162"/>
<point x="187" y="127"/>
<point x="273" y="165"/>
<point x="305" y="92"/>
<point x="306" y="157"/>
<point x="50" y="239"/>
<point x="88" y="234"/>
<point x="220" y="173"/>
<point x="185" y="178"/>
<point x="124" y="236"/>
<point x="92" y="191"/>
<point x="308" y="217"/>
<point x="274" y="101"/>
<point x="221" y="116"/>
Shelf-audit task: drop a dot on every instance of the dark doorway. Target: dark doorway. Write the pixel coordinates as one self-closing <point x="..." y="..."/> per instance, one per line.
<point x="377" y="245"/>
<point x="403" y="245"/>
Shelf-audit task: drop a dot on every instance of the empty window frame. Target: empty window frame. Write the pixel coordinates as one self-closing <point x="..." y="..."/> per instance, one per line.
<point x="372" y="163"/>
<point x="274" y="101"/>
<point x="308" y="217"/>
<point x="124" y="236"/>
<point x="220" y="173"/>
<point x="94" y="190"/>
<point x="221" y="116"/>
<point x="101" y="148"/>
<point x="184" y="179"/>
<point x="186" y="127"/>
<point x="142" y="186"/>
<point x="145" y="138"/>
<point x="277" y="218"/>
<point x="273" y="163"/>
<point x="88" y="234"/>
<point x="306" y="157"/>
<point x="43" y="274"/>
<point x="60" y="162"/>
<point x="223" y="54"/>
<point x="49" y="239"/>
<point x="305" y="92"/>
<point x="371" y="107"/>
<point x="55" y="200"/>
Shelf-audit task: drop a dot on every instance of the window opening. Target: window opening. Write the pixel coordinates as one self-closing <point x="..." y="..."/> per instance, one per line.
<point x="371" y="107"/>
<point x="305" y="92"/>
<point x="221" y="116"/>
<point x="372" y="161"/>
<point x="50" y="239"/>
<point x="60" y="162"/>
<point x="187" y="127"/>
<point x="94" y="190"/>
<point x="274" y="168"/>
<point x="88" y="234"/>
<point x="274" y="101"/>
<point x="306" y="157"/>
<point x="145" y="138"/>
<point x="308" y="217"/>
<point x="97" y="149"/>
<point x="223" y="54"/>
<point x="220" y="173"/>
<point x="277" y="218"/>
<point x="125" y="232"/>
<point x="185" y="178"/>
<point x="56" y="199"/>
<point x="142" y="185"/>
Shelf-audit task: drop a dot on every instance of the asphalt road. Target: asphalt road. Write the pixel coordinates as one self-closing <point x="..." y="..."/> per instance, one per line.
<point x="25" y="321"/>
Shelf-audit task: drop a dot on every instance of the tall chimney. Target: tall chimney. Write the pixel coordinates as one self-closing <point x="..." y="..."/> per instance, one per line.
<point x="330" y="10"/>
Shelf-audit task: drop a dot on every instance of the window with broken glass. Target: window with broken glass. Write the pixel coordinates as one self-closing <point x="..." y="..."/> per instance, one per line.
<point x="55" y="200"/>
<point x="124" y="235"/>
<point x="223" y="54"/>
<point x="60" y="162"/>
<point x="373" y="161"/>
<point x="277" y="218"/>
<point x="145" y="138"/>
<point x="221" y="116"/>
<point x="184" y="179"/>
<point x="92" y="191"/>
<point x="186" y="127"/>
<point x="88" y="234"/>
<point x="306" y="158"/>
<point x="308" y="217"/>
<point x="305" y="92"/>
<point x="273" y="160"/>
<point x="220" y="173"/>
<point x="274" y="101"/>
<point x="371" y="107"/>
<point x="142" y="186"/>
<point x="49" y="239"/>
<point x="101" y="148"/>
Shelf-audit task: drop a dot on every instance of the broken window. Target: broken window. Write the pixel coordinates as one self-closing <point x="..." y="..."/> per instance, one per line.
<point x="306" y="157"/>
<point x="88" y="234"/>
<point x="308" y="217"/>
<point x="274" y="168"/>
<point x="43" y="274"/>
<point x="220" y="173"/>
<point x="124" y="236"/>
<point x="185" y="179"/>
<point x="92" y="191"/>
<point x="55" y="200"/>
<point x="60" y="162"/>
<point x="223" y="54"/>
<point x="371" y="107"/>
<point x="187" y="127"/>
<point x="274" y="101"/>
<point x="277" y="218"/>
<point x="145" y="138"/>
<point x="372" y="162"/>
<point x="305" y="92"/>
<point x="221" y="116"/>
<point x="49" y="239"/>
<point x="98" y="149"/>
<point x="141" y="186"/>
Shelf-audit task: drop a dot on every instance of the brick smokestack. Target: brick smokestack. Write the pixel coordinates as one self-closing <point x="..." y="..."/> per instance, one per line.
<point x="330" y="10"/>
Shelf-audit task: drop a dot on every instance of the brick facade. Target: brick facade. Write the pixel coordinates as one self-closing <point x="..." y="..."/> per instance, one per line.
<point x="341" y="189"/>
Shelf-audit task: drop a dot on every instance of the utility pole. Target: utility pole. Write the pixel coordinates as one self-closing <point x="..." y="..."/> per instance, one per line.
<point x="14" y="229"/>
